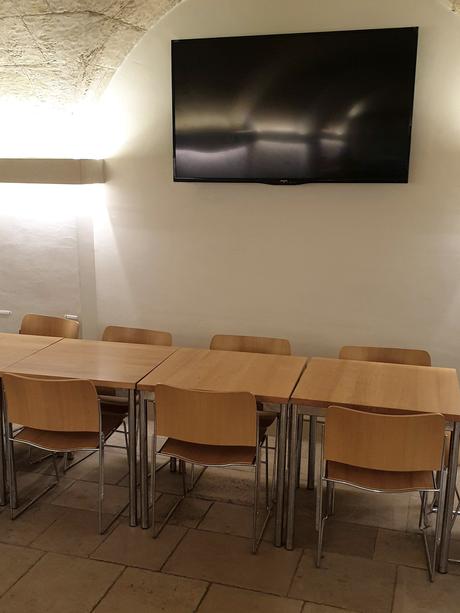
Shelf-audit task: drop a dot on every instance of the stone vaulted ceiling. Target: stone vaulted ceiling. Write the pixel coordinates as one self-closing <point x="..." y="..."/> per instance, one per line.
<point x="61" y="51"/>
<point x="65" y="51"/>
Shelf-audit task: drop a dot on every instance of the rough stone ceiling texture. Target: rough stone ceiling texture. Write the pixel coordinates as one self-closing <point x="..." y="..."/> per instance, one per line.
<point x="63" y="51"/>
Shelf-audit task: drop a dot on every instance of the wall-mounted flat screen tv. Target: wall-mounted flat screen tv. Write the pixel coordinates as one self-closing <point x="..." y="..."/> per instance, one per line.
<point x="294" y="108"/>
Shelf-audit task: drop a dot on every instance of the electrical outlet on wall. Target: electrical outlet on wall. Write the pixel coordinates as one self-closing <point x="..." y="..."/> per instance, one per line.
<point x="5" y="313"/>
<point x="70" y="316"/>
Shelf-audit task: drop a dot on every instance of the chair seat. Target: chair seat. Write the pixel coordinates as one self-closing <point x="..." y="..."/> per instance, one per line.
<point x="208" y="455"/>
<point x="379" y="479"/>
<point x="68" y="441"/>
<point x="108" y="408"/>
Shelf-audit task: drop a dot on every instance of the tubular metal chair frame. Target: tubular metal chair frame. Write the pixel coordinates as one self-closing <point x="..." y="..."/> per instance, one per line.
<point x="256" y="537"/>
<point x="10" y="440"/>
<point x="437" y="490"/>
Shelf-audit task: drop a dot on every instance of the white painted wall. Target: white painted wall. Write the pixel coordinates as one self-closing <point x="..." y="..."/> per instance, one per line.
<point x="323" y="265"/>
<point x="38" y="252"/>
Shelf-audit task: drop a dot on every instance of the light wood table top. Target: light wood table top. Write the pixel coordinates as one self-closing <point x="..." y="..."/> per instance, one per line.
<point x="15" y="347"/>
<point x="115" y="365"/>
<point x="377" y="385"/>
<point x="271" y="378"/>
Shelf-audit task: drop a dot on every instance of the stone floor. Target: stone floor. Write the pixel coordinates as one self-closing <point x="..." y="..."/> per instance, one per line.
<point x="53" y="560"/>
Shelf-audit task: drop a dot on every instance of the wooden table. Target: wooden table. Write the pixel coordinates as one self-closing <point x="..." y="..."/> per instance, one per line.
<point x="375" y="385"/>
<point x="15" y="347"/>
<point x="271" y="378"/>
<point x="112" y="365"/>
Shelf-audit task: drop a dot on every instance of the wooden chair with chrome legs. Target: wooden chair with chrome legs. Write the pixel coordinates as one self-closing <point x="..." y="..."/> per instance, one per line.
<point x="208" y="429"/>
<point x="111" y="404"/>
<point x="44" y="325"/>
<point x="383" y="453"/>
<point x="58" y="416"/>
<point x="255" y="344"/>
<point x="391" y="355"/>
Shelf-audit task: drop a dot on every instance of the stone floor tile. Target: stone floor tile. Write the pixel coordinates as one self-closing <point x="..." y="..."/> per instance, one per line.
<point x="229" y="560"/>
<point x="189" y="513"/>
<point x="60" y="584"/>
<point x="143" y="591"/>
<point x="15" y="562"/>
<point x="84" y="495"/>
<point x="416" y="594"/>
<point x="228" y="519"/>
<point x="230" y="599"/>
<point x="227" y="485"/>
<point x="136" y="547"/>
<point x="345" y="581"/>
<point x="339" y="537"/>
<point x="25" y="528"/>
<point x="30" y="484"/>
<point x="400" y="548"/>
<point x="76" y="532"/>
<point x="413" y="517"/>
<point x="115" y="467"/>
<point x="381" y="510"/>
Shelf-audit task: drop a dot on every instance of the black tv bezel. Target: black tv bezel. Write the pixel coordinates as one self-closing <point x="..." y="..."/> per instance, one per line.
<point x="286" y="180"/>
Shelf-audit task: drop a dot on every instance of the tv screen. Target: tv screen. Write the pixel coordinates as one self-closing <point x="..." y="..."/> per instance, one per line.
<point x="294" y="108"/>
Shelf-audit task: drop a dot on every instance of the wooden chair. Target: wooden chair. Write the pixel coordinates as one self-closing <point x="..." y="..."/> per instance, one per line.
<point x="256" y="344"/>
<point x="251" y="344"/>
<point x="58" y="416"/>
<point x="208" y="429"/>
<point x="44" y="325"/>
<point x="369" y="354"/>
<point x="416" y="357"/>
<point x="385" y="454"/>
<point x="120" y="334"/>
<point x="110" y="403"/>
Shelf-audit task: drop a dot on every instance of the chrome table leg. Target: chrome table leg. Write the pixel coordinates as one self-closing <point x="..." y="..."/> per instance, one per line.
<point x="311" y="453"/>
<point x="449" y="499"/>
<point x="144" y="460"/>
<point x="281" y="465"/>
<point x="2" y="452"/>
<point x="292" y="478"/>
<point x="132" y="458"/>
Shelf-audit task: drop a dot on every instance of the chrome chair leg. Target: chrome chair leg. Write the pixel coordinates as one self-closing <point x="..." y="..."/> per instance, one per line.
<point x="320" y="520"/>
<point x="267" y="494"/>
<point x="101" y="482"/>
<point x="311" y="453"/>
<point x="153" y="480"/>
<point x="299" y="449"/>
<point x="255" y="513"/>
<point x="183" y="471"/>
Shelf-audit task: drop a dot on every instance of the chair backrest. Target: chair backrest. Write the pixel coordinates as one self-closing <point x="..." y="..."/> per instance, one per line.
<point x="416" y="357"/>
<point x="207" y="418"/>
<point x="58" y="405"/>
<point x="44" y="325"/>
<point x="251" y="344"/>
<point x="384" y="442"/>
<point x="121" y="334"/>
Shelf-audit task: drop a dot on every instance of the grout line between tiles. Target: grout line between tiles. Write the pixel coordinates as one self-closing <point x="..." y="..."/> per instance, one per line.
<point x="206" y="592"/>
<point x="24" y="573"/>
<point x="108" y="589"/>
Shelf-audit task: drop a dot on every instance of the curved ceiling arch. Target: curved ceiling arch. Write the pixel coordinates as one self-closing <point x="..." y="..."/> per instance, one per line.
<point x="64" y="51"/>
